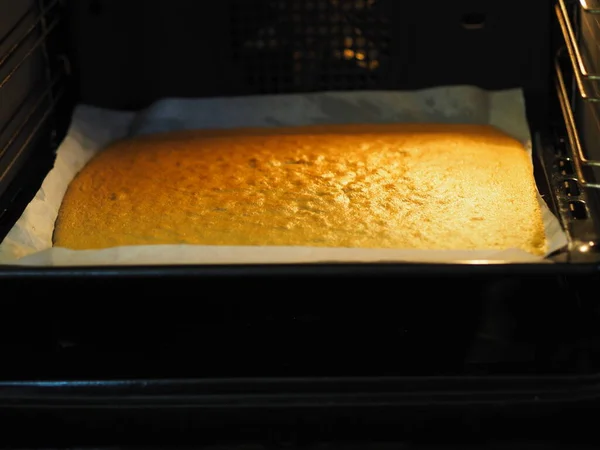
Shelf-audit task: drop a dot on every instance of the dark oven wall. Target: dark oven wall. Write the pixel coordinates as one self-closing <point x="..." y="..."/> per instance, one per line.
<point x="130" y="53"/>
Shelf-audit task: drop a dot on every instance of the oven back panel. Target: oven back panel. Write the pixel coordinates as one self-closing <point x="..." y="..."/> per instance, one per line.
<point x="128" y="56"/>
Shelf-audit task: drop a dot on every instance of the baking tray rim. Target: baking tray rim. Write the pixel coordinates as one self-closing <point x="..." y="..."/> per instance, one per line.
<point x="303" y="392"/>
<point x="301" y="270"/>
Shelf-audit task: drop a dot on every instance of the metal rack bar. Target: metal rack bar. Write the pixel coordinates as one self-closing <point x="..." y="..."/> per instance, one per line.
<point x="47" y="61"/>
<point x="33" y="48"/>
<point x="579" y="158"/>
<point x="35" y="130"/>
<point x="34" y="109"/>
<point x="590" y="6"/>
<point x="4" y="58"/>
<point x="580" y="70"/>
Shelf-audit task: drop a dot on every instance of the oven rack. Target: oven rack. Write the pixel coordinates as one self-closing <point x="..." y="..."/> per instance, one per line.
<point x="577" y="188"/>
<point x="582" y="77"/>
<point x="582" y="73"/>
<point x="30" y="103"/>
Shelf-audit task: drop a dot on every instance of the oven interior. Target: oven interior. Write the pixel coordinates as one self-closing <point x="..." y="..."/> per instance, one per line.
<point x="300" y="323"/>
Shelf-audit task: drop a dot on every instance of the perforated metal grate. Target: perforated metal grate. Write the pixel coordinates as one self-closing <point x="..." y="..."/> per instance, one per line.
<point x="303" y="45"/>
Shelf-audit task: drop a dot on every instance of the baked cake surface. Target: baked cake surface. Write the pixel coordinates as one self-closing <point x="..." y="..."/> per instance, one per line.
<point x="400" y="186"/>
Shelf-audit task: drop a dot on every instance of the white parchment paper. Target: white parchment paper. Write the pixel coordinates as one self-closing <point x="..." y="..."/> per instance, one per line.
<point x="30" y="241"/>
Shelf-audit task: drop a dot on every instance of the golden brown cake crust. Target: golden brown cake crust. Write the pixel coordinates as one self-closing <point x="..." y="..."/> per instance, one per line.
<point x="401" y="186"/>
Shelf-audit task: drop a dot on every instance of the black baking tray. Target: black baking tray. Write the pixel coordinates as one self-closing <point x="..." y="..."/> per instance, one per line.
<point x="279" y="345"/>
<point x="356" y="353"/>
<point x="303" y="410"/>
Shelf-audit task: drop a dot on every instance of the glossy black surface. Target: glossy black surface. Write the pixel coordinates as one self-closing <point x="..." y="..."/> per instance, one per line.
<point x="301" y="326"/>
<point x="529" y="444"/>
